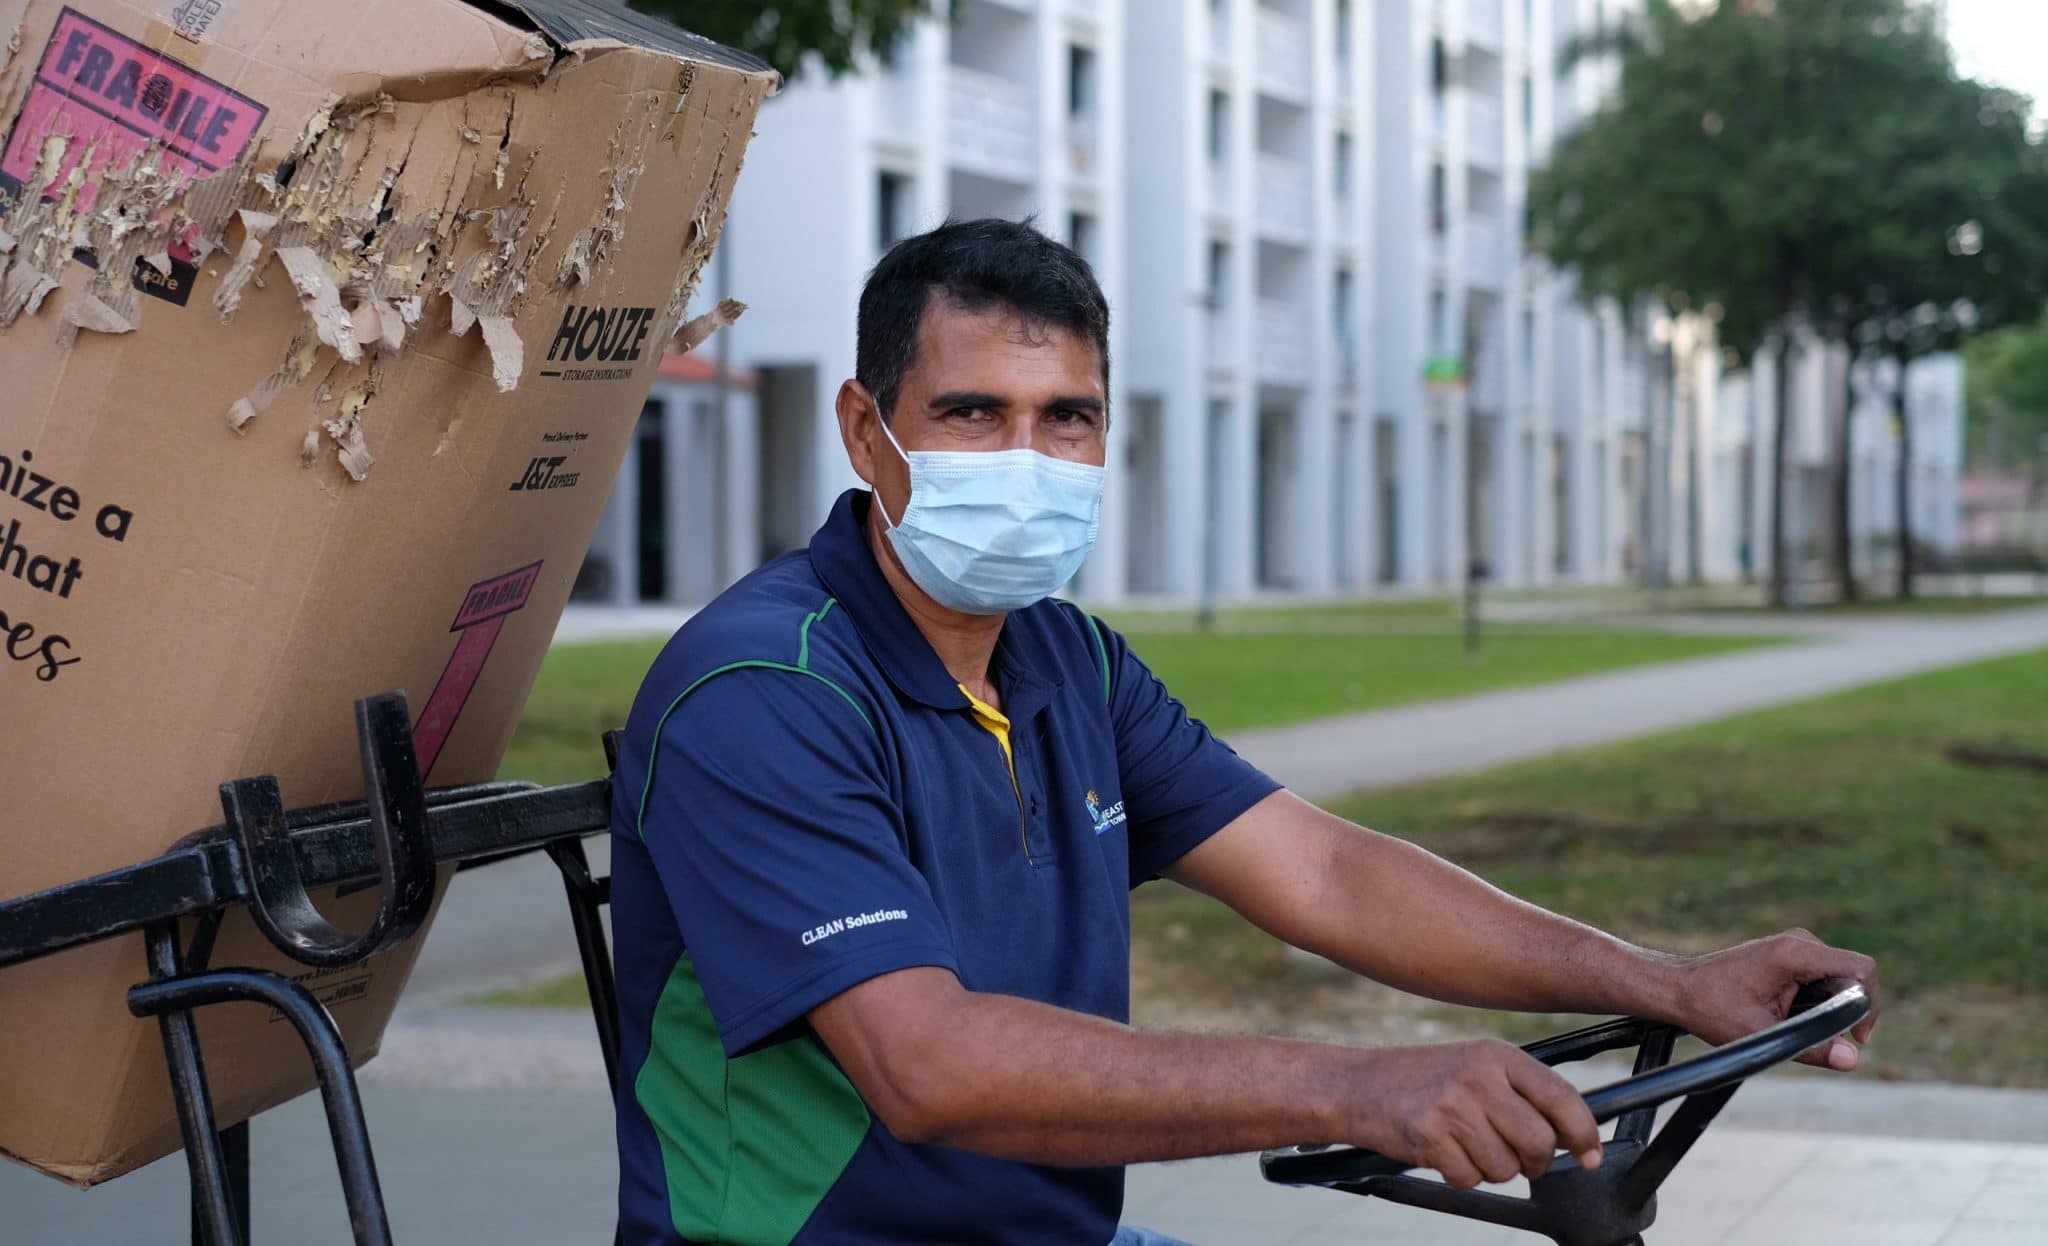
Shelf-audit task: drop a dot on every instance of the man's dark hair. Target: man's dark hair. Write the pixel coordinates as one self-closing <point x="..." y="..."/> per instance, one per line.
<point x="977" y="265"/>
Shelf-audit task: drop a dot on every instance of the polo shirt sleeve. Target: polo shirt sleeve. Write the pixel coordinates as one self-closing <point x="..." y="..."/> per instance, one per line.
<point x="1180" y="783"/>
<point x="781" y="850"/>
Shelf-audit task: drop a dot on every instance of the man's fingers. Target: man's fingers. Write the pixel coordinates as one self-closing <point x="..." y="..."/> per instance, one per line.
<point x="1829" y="962"/>
<point x="1527" y="1130"/>
<point x="1553" y="1096"/>
<point x="1452" y="1164"/>
<point x="1838" y="1054"/>
<point x="1490" y="1154"/>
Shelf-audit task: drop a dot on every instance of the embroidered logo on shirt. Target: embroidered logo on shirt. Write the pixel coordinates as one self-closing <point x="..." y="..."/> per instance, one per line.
<point x="1104" y="818"/>
<point x="853" y="921"/>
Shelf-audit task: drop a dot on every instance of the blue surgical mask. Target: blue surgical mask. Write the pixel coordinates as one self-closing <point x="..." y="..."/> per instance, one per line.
<point x="991" y="531"/>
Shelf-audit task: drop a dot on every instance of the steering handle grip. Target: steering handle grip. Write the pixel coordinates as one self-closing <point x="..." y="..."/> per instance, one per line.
<point x="1821" y="1011"/>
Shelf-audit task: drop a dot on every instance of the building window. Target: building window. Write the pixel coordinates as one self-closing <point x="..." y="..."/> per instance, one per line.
<point x="1439" y="67"/>
<point x="1528" y="110"/>
<point x="1439" y="324"/>
<point x="1080" y="82"/>
<point x="1528" y="351"/>
<point x="1219" y="273"/>
<point x="892" y="208"/>
<point x="1344" y="35"/>
<point x="1347" y="343"/>
<point x="1599" y="365"/>
<point x="1219" y="124"/>
<point x="1081" y="234"/>
<point x="1341" y="167"/>
<point x="1439" y="196"/>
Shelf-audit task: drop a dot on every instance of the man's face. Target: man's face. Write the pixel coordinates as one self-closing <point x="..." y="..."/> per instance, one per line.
<point x="983" y="380"/>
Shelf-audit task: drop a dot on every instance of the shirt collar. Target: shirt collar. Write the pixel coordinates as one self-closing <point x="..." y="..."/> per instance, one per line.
<point x="844" y="560"/>
<point x="841" y="556"/>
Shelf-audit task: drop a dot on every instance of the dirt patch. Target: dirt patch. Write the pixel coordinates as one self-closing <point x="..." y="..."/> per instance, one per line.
<point x="1503" y="835"/>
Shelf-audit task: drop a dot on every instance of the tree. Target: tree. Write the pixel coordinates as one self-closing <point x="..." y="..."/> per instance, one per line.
<point x="1961" y="245"/>
<point x="787" y="32"/>
<point x="2006" y="372"/>
<point x="1730" y="172"/>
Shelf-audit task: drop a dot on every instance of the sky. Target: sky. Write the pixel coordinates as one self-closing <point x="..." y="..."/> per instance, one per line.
<point x="2005" y="42"/>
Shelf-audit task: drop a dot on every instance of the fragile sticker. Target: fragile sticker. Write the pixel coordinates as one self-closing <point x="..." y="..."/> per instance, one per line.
<point x="111" y="97"/>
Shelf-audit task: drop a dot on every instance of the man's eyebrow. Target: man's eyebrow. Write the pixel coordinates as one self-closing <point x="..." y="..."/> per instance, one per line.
<point x="965" y="398"/>
<point x="1083" y="402"/>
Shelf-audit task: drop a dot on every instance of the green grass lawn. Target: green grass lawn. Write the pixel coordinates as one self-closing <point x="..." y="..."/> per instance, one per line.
<point x="1258" y="679"/>
<point x="1256" y="669"/>
<point x="1841" y="814"/>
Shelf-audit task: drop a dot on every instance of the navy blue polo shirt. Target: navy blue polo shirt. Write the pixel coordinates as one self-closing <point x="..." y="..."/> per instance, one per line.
<point x="805" y="799"/>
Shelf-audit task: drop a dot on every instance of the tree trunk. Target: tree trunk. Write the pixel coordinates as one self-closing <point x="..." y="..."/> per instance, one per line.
<point x="1844" y="481"/>
<point x="1635" y="350"/>
<point x="1695" y="568"/>
<point x="1780" y="578"/>
<point x="1902" y="482"/>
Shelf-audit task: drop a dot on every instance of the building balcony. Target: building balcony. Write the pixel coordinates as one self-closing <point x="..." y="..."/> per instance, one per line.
<point x="1282" y="341"/>
<point x="1487" y="392"/>
<point x="1219" y="345"/>
<point x="1350" y="360"/>
<point x="1488" y="264"/>
<point x="993" y="123"/>
<point x="897" y="114"/>
<point x="1284" y="57"/>
<point x="1485" y="24"/>
<point x="1485" y="130"/>
<point x="1285" y="194"/>
<point x="1084" y="147"/>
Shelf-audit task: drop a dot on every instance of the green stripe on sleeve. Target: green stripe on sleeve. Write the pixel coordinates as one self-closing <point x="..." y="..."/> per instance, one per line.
<point x="749" y="1147"/>
<point x="654" y="749"/>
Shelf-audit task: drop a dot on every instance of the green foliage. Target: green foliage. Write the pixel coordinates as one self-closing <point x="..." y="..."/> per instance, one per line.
<point x="1812" y="160"/>
<point x="788" y="33"/>
<point x="2007" y="375"/>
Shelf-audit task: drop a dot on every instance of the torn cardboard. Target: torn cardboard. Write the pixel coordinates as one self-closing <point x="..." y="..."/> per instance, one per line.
<point x="292" y="298"/>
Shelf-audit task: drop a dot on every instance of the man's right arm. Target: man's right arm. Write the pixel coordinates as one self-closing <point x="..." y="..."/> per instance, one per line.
<point x="1028" y="1081"/>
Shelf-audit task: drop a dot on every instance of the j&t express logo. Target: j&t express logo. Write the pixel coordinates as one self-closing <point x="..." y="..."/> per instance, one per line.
<point x="1101" y="817"/>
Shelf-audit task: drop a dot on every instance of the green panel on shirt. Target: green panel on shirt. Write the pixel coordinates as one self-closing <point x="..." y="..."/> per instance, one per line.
<point x="750" y="1146"/>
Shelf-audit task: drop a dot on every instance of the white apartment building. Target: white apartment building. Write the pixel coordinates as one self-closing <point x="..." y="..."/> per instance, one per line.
<point x="1337" y="371"/>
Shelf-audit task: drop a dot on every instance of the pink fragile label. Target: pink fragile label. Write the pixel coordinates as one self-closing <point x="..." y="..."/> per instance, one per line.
<point x="479" y="620"/>
<point x="107" y="94"/>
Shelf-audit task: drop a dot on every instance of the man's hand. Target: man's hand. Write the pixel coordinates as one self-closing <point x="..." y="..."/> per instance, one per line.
<point x="1473" y="1111"/>
<point x="1727" y="994"/>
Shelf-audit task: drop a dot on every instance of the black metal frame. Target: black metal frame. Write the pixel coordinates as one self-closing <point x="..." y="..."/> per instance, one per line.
<point x="1610" y="1205"/>
<point x="269" y="861"/>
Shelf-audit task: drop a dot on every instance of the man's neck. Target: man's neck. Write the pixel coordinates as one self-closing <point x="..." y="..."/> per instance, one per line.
<point x="964" y="642"/>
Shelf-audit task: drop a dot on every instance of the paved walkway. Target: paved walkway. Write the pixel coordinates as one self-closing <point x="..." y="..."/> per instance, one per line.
<point x="1333" y="756"/>
<point x="500" y="1166"/>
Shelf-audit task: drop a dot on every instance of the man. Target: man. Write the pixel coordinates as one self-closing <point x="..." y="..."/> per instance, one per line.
<point x="880" y="807"/>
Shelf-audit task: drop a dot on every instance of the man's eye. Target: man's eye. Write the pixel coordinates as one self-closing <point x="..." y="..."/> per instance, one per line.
<point x="1073" y="415"/>
<point x="968" y="413"/>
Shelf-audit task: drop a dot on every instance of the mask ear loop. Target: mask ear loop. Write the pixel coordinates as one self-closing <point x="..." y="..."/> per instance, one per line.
<point x="901" y="453"/>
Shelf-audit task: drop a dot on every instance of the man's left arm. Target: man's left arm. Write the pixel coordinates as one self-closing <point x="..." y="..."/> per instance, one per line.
<point x="1398" y="914"/>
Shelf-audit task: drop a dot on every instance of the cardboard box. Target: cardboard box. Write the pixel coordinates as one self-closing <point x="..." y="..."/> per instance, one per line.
<point x="323" y="329"/>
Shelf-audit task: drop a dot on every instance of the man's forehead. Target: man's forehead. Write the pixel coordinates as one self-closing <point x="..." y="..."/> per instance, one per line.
<point x="952" y="337"/>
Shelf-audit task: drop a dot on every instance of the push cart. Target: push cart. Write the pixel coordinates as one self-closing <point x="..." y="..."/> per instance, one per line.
<point x="269" y="861"/>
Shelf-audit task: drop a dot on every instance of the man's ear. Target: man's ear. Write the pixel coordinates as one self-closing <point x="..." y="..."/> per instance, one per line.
<point x="856" y="409"/>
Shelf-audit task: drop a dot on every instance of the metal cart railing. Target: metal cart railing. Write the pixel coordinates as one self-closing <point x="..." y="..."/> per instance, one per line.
<point x="269" y="861"/>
